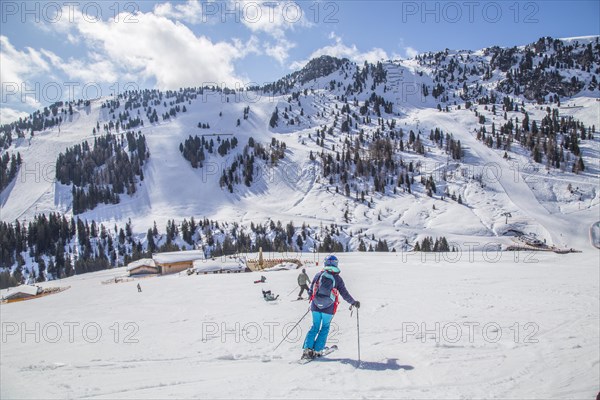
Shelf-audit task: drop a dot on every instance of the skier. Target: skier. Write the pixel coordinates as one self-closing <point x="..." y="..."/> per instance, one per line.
<point x="323" y="294"/>
<point x="139" y="288"/>
<point x="303" y="282"/>
<point x="261" y="280"/>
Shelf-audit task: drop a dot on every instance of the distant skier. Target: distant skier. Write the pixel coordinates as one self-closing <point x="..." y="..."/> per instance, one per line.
<point x="323" y="294"/>
<point x="268" y="296"/>
<point x="139" y="288"/>
<point x="303" y="282"/>
<point x="261" y="280"/>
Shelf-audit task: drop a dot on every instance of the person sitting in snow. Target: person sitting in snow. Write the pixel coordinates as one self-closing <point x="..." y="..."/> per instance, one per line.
<point x="268" y="296"/>
<point x="323" y="294"/>
<point x="261" y="280"/>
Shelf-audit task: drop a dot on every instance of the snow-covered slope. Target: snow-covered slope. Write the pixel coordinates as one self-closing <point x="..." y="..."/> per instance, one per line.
<point x="172" y="189"/>
<point x="511" y="326"/>
<point x="376" y="101"/>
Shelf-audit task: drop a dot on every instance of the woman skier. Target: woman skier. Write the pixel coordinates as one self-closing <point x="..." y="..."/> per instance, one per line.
<point x="323" y="292"/>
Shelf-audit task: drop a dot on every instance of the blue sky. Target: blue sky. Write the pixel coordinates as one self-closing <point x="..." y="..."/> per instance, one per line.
<point x="58" y="50"/>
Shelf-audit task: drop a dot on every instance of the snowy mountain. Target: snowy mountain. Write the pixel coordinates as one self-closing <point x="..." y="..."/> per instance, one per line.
<point x="459" y="190"/>
<point x="457" y="147"/>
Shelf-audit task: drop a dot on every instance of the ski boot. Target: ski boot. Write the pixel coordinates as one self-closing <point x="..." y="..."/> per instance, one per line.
<point x="308" y="354"/>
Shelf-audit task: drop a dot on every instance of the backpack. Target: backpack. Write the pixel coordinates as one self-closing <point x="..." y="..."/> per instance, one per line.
<point x="325" y="294"/>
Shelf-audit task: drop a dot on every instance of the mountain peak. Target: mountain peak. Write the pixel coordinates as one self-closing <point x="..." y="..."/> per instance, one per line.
<point x="319" y="67"/>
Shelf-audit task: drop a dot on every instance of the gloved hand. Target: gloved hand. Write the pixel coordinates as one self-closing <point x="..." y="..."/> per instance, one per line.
<point x="356" y="304"/>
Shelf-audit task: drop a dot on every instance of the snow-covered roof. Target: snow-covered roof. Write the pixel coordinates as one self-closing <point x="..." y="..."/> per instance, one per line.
<point x="178" y="256"/>
<point x="215" y="265"/>
<point x="282" y="267"/>
<point x="141" y="263"/>
<point x="25" y="289"/>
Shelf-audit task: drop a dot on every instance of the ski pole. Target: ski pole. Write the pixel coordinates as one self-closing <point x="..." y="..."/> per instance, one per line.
<point x="357" y="332"/>
<point x="358" y="335"/>
<point x="290" y="331"/>
<point x="293" y="290"/>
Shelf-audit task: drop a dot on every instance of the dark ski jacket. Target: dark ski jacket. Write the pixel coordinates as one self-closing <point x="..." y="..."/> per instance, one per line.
<point x="339" y="285"/>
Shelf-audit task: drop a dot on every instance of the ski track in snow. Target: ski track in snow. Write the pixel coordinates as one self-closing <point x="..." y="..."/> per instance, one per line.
<point x="556" y="357"/>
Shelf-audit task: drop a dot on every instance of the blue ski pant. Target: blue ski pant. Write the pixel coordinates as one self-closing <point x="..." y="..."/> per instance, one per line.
<point x="317" y="335"/>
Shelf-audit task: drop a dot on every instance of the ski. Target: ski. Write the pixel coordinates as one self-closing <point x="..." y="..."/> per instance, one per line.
<point x="326" y="351"/>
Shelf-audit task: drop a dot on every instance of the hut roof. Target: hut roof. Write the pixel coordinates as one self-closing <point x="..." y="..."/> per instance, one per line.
<point x="178" y="256"/>
<point x="141" y="263"/>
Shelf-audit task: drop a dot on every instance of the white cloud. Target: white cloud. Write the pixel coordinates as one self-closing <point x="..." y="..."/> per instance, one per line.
<point x="32" y="101"/>
<point x="341" y="50"/>
<point x="270" y="17"/>
<point x="8" y="115"/>
<point x="280" y="50"/>
<point x="190" y="11"/>
<point x="19" y="66"/>
<point x="411" y="52"/>
<point x="157" y="48"/>
<point x="408" y="51"/>
<point x="26" y="75"/>
<point x="94" y="71"/>
<point x="22" y="75"/>
<point x="251" y="46"/>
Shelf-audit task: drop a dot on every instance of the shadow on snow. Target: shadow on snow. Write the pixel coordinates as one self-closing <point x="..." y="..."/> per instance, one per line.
<point x="391" y="364"/>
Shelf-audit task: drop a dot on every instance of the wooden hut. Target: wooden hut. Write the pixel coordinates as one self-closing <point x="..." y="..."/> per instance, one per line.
<point x="177" y="261"/>
<point x="145" y="266"/>
<point x="22" y="292"/>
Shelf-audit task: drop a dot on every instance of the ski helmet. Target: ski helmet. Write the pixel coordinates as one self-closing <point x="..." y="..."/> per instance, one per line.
<point x="331" y="264"/>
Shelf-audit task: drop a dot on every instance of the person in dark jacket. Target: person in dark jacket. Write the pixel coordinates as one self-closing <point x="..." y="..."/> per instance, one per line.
<point x="303" y="282"/>
<point x="323" y="292"/>
<point x="268" y="296"/>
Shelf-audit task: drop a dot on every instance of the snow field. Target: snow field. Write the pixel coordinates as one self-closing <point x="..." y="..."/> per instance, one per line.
<point x="514" y="328"/>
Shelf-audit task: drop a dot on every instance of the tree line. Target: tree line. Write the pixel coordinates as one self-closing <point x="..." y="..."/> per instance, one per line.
<point x="55" y="246"/>
<point x="9" y="167"/>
